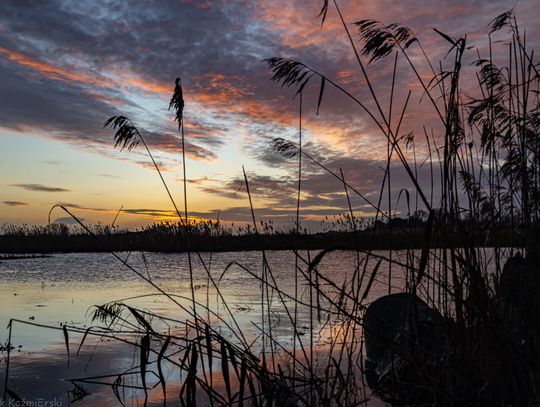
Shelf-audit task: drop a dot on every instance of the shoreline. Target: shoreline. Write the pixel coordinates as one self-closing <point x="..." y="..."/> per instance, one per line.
<point x="140" y="241"/>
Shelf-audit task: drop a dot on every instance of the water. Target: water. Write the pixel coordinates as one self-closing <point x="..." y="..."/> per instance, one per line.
<point x="64" y="289"/>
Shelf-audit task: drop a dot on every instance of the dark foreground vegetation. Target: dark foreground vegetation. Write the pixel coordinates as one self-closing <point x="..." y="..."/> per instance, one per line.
<point x="463" y="330"/>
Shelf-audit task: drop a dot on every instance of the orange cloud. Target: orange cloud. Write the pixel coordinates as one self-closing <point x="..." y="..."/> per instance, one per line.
<point x="68" y="75"/>
<point x="149" y="86"/>
<point x="298" y="25"/>
<point x="228" y="98"/>
<point x="51" y="71"/>
<point x="222" y="87"/>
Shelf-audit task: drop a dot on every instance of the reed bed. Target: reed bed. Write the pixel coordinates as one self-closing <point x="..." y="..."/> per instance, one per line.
<point x="487" y="151"/>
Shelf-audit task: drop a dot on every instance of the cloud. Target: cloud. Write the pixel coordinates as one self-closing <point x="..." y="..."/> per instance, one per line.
<point x="149" y="212"/>
<point x="76" y="206"/>
<point x="66" y="66"/>
<point x="323" y="193"/>
<point x="50" y="71"/>
<point x="107" y="176"/>
<point x="15" y="203"/>
<point x="68" y="220"/>
<point x="103" y="62"/>
<point x="40" y="188"/>
<point x="52" y="162"/>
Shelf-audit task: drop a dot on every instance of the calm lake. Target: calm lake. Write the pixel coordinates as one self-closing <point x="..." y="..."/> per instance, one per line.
<point x="65" y="288"/>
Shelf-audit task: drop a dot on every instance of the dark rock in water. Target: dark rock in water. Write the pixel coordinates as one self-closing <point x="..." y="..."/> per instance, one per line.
<point x="406" y="343"/>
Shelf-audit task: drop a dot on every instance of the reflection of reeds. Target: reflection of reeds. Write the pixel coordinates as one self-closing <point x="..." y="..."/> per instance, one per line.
<point x="489" y="158"/>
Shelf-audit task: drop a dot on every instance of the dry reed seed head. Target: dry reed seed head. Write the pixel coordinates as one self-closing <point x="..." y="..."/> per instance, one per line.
<point x="380" y="40"/>
<point x="288" y="72"/>
<point x="492" y="77"/>
<point x="502" y="20"/>
<point x="177" y="102"/>
<point x="409" y="140"/>
<point x="491" y="113"/>
<point x="107" y="312"/>
<point x="126" y="135"/>
<point x="286" y="148"/>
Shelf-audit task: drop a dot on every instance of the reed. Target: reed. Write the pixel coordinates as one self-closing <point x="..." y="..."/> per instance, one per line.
<point x="487" y="150"/>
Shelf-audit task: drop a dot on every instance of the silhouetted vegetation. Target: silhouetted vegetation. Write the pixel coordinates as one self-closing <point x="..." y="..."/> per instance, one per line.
<point x="396" y="234"/>
<point x="460" y="333"/>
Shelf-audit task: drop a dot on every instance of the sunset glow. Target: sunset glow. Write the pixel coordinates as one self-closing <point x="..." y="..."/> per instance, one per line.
<point x="66" y="66"/>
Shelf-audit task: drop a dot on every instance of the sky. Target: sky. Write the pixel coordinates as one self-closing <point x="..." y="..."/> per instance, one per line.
<point x="66" y="66"/>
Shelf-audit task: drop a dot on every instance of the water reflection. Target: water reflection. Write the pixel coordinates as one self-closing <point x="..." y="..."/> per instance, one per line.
<point x="64" y="289"/>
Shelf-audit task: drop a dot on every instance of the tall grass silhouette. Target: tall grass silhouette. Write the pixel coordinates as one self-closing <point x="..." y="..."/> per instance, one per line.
<point x="480" y="344"/>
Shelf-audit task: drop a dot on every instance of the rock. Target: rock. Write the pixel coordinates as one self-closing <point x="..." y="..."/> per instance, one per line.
<point x="406" y="343"/>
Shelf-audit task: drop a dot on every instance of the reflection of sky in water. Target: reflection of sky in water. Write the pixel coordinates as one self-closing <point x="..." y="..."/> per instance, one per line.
<point x="63" y="288"/>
